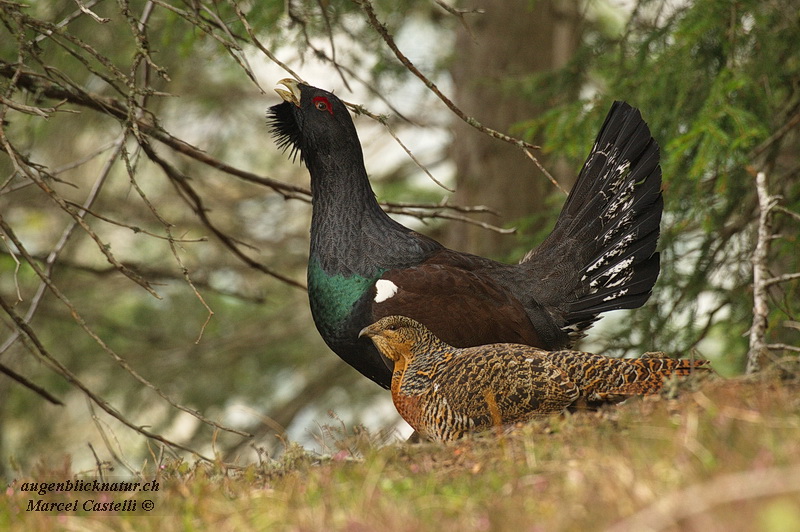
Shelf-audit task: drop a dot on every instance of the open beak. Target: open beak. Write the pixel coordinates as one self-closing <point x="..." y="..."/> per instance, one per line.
<point x="293" y="94"/>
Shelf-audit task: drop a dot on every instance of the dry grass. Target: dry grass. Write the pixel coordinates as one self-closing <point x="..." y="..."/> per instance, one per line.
<point x="724" y="456"/>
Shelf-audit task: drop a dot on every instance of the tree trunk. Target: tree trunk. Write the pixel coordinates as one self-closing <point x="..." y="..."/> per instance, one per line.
<point x="510" y="40"/>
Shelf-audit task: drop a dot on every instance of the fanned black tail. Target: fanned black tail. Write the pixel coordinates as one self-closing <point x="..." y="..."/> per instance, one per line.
<point x="602" y="249"/>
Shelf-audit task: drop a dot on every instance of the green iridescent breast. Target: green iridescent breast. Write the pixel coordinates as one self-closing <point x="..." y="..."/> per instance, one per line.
<point x="332" y="297"/>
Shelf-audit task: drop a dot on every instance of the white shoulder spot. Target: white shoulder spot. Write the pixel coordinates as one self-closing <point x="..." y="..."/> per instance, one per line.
<point x="385" y="290"/>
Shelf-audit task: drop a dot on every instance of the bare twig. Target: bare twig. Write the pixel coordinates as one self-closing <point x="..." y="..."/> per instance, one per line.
<point x="181" y="183"/>
<point x="25" y="168"/>
<point x="118" y="456"/>
<point x="198" y="22"/>
<point x="62" y="242"/>
<point x="366" y="5"/>
<point x="134" y="228"/>
<point x="482" y="209"/>
<point x="786" y="277"/>
<point x="52" y="257"/>
<point x="382" y="119"/>
<point x="547" y="174"/>
<point x="101" y="466"/>
<point x="459" y="14"/>
<point x="43" y="112"/>
<point x="25" y="328"/>
<point x="30" y="385"/>
<point x="258" y="43"/>
<point x="236" y="52"/>
<point x="73" y="379"/>
<point x="784" y="347"/>
<point x="455" y="217"/>
<point x="151" y="272"/>
<point x="16" y="273"/>
<point x="787" y="212"/>
<point x="74" y="15"/>
<point x="387" y="37"/>
<point x="35" y="83"/>
<point x="185" y="271"/>
<point x="416" y="161"/>
<point x="323" y="9"/>
<point x="88" y="11"/>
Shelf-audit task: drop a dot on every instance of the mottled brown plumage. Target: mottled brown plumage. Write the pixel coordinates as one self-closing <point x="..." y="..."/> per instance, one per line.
<point x="444" y="392"/>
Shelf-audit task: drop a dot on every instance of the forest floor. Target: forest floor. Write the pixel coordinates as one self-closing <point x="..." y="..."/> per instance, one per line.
<point x="722" y="455"/>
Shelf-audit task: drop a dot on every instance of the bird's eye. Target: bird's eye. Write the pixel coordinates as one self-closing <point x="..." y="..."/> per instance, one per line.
<point x="323" y="104"/>
<point x="392" y="327"/>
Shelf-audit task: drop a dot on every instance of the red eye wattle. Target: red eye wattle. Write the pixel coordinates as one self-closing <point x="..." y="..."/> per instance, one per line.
<point x="323" y="104"/>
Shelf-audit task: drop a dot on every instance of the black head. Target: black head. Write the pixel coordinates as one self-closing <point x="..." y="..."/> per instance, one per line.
<point x="313" y="122"/>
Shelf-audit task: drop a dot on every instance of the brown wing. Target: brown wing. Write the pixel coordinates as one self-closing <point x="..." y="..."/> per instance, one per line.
<point x="498" y="385"/>
<point x="461" y="307"/>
